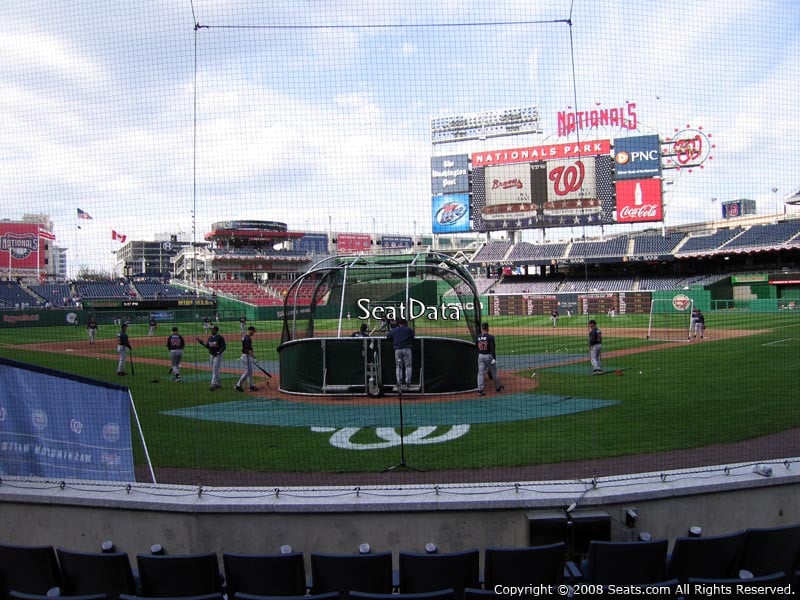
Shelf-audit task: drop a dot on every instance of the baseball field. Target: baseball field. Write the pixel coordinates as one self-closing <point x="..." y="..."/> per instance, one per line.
<point x="729" y="397"/>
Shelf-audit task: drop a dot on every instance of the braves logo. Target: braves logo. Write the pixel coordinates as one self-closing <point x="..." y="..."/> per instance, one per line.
<point x="567" y="179"/>
<point x="507" y="184"/>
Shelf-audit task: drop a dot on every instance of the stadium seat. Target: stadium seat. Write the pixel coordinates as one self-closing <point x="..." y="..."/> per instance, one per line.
<point x="446" y="594"/>
<point x="752" y="588"/>
<point x="93" y="573"/>
<point x="264" y="574"/>
<point x="28" y="569"/>
<point x="625" y="562"/>
<point x="181" y="575"/>
<point x="708" y="557"/>
<point x="432" y="572"/>
<point x="326" y="596"/>
<point x="14" y="595"/>
<point x="524" y="566"/>
<point x="771" y="550"/>
<point x="480" y="594"/>
<point x="371" y="573"/>
<point x="215" y="596"/>
<point x="538" y="594"/>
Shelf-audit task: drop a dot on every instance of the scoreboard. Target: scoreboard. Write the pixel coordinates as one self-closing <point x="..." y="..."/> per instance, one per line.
<point x="634" y="303"/>
<point x="592" y="304"/>
<point x="521" y="305"/>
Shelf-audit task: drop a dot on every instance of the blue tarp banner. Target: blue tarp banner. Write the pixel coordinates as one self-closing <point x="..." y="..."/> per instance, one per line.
<point x="58" y="425"/>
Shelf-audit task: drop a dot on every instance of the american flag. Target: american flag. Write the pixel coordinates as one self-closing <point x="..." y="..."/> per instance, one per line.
<point x="83" y="214"/>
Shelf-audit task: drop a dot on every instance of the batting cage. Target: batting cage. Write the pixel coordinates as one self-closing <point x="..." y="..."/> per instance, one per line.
<point x="338" y="314"/>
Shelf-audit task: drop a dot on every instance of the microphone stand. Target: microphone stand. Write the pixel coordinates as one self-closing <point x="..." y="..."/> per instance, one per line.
<point x="402" y="464"/>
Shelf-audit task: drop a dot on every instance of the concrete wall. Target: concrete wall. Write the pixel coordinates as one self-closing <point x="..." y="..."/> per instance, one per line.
<point x="191" y="520"/>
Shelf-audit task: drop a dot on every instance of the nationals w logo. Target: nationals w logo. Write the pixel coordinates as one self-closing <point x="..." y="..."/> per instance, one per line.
<point x="567" y="179"/>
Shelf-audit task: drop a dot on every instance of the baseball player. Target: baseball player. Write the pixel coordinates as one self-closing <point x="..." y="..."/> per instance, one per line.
<point x="362" y="331"/>
<point x="402" y="338"/>
<point x="206" y="325"/>
<point x="243" y="325"/>
<point x="175" y="345"/>
<point x="699" y="324"/>
<point x="247" y="358"/>
<point x="595" y="347"/>
<point x="153" y="324"/>
<point x="487" y="360"/>
<point x="123" y="346"/>
<point x="91" y="329"/>
<point x="216" y="347"/>
<point x="554" y="317"/>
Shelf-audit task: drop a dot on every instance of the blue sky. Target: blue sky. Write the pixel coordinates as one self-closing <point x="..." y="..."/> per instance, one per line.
<point x="317" y="113"/>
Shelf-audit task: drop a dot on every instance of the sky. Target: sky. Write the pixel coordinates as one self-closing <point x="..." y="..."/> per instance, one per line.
<point x="161" y="117"/>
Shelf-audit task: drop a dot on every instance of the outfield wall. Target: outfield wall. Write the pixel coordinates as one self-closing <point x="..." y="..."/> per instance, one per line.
<point x="593" y="303"/>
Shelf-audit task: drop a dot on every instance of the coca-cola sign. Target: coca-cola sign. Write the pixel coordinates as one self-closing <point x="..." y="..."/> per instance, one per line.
<point x="639" y="201"/>
<point x="648" y="212"/>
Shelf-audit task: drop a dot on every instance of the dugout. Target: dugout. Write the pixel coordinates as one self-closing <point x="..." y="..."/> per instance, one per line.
<point x="319" y="356"/>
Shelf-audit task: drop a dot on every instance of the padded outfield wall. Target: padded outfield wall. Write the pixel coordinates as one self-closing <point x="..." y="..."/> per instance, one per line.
<point x="491" y="304"/>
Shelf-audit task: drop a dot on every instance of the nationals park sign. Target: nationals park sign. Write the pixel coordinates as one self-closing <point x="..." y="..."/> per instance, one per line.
<point x="542" y="152"/>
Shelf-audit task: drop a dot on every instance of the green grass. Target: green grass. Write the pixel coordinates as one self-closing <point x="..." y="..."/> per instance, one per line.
<point x="667" y="398"/>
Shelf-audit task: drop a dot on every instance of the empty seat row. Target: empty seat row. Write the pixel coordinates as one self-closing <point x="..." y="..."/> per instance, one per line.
<point x="40" y="569"/>
<point x="754" y="555"/>
<point x="743" y="554"/>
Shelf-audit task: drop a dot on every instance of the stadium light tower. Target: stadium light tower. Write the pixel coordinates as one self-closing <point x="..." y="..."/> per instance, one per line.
<point x="480" y="126"/>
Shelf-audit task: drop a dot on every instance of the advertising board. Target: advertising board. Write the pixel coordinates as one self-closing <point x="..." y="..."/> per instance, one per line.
<point x="637" y="157"/>
<point x="450" y="213"/>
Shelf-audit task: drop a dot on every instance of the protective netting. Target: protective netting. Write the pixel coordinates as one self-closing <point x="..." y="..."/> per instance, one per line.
<point x="306" y="168"/>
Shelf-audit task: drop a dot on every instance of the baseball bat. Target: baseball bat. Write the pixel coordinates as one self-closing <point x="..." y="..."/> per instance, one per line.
<point x="263" y="370"/>
<point x="130" y="352"/>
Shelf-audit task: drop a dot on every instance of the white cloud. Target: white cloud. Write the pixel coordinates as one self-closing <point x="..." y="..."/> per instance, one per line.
<point x="36" y="52"/>
<point x="301" y="124"/>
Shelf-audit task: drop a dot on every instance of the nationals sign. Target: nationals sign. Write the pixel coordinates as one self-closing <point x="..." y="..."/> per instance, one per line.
<point x="639" y="201"/>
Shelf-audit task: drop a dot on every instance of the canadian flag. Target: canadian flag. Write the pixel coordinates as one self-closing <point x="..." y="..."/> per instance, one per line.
<point x="118" y="237"/>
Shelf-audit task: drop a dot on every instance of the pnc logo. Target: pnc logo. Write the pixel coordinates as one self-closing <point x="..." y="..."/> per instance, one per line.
<point x="622" y="157"/>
